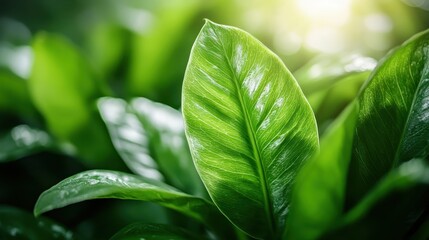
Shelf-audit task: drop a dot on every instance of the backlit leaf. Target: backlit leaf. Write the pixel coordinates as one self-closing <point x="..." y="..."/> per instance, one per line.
<point x="248" y="125"/>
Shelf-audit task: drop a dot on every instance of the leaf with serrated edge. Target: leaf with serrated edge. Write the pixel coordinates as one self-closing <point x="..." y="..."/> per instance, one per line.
<point x="248" y="125"/>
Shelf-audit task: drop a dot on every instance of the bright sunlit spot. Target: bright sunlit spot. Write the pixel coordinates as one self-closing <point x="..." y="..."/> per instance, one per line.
<point x="323" y="19"/>
<point x="332" y="11"/>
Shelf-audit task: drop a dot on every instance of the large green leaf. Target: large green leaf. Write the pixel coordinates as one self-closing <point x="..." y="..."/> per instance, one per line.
<point x="95" y="184"/>
<point x="18" y="224"/>
<point x="169" y="145"/>
<point x="64" y="91"/>
<point x="391" y="210"/>
<point x="248" y="125"/>
<point x="393" y="122"/>
<point x="319" y="193"/>
<point x="146" y="231"/>
<point x="129" y="137"/>
<point x="22" y="141"/>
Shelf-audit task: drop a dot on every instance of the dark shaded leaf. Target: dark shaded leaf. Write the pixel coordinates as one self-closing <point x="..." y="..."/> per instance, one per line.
<point x="393" y="122"/>
<point x="146" y="231"/>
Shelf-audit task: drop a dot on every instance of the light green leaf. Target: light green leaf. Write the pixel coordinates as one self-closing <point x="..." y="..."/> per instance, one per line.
<point x="138" y="231"/>
<point x="330" y="83"/>
<point x="393" y="121"/>
<point x="169" y="146"/>
<point x="323" y="72"/>
<point x="18" y="224"/>
<point x="22" y="141"/>
<point x="391" y="208"/>
<point x="106" y="45"/>
<point x="95" y="184"/>
<point x="64" y="91"/>
<point x="129" y="137"/>
<point x="248" y="125"/>
<point x="319" y="193"/>
<point x="158" y="45"/>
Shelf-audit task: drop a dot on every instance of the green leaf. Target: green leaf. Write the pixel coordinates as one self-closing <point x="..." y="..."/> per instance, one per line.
<point x="248" y="125"/>
<point x="319" y="192"/>
<point x="18" y="224"/>
<point x="64" y="91"/>
<point x="146" y="231"/>
<point x="167" y="138"/>
<point x="324" y="71"/>
<point x="390" y="210"/>
<point x="14" y="94"/>
<point x="129" y="137"/>
<point x="96" y="184"/>
<point x="106" y="45"/>
<point x="330" y="83"/>
<point x="152" y="51"/>
<point x="393" y="122"/>
<point x="22" y="141"/>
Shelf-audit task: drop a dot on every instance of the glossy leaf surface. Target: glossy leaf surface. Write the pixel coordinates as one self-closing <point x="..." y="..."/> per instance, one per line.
<point x="170" y="148"/>
<point x="393" y="122"/>
<point x="138" y="231"/>
<point x="95" y="184"/>
<point x="319" y="193"/>
<point x="129" y="137"/>
<point x="248" y="125"/>
<point x="64" y="91"/>
<point x="22" y="141"/>
<point x="18" y="224"/>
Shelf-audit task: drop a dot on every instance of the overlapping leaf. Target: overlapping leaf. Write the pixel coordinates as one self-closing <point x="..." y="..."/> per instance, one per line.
<point x="319" y="193"/>
<point x="248" y="125"/>
<point x="392" y="210"/>
<point x="129" y="137"/>
<point x="393" y="122"/>
<point x="169" y="146"/>
<point x="95" y="184"/>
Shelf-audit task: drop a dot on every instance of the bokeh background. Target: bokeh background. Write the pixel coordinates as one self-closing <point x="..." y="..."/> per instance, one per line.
<point x="140" y="48"/>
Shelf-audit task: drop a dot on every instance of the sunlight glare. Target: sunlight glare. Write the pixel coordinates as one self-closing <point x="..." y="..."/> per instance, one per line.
<point x="332" y="11"/>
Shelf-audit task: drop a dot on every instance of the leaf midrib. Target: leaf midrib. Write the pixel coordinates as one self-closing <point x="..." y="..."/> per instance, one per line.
<point x="401" y="140"/>
<point x="255" y="146"/>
